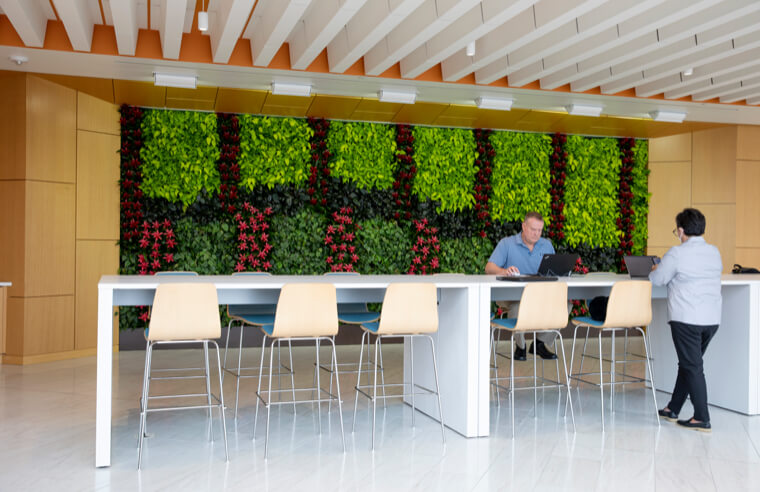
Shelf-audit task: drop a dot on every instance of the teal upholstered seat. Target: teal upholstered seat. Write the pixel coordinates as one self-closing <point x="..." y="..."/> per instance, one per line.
<point x="508" y="323"/>
<point x="588" y="321"/>
<point x="371" y="326"/>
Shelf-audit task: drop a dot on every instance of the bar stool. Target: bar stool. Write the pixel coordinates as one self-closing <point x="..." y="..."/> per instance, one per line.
<point x="304" y="312"/>
<point x="254" y="315"/>
<point x="184" y="314"/>
<point x="629" y="306"/>
<point x="353" y="313"/>
<point x="410" y="310"/>
<point x="543" y="308"/>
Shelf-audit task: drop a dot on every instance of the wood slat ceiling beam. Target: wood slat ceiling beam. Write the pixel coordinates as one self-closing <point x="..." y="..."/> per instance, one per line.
<point x="123" y="14"/>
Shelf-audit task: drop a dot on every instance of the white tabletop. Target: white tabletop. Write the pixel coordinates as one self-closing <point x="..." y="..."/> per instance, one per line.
<point x="5" y="284"/>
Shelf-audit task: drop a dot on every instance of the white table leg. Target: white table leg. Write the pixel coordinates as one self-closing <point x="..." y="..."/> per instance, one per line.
<point x="104" y="378"/>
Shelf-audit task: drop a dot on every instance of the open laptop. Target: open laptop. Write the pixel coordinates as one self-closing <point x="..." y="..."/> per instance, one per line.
<point x="640" y="266"/>
<point x="551" y="268"/>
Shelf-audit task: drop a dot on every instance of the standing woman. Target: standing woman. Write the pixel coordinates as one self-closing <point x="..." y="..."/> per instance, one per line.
<point x="692" y="272"/>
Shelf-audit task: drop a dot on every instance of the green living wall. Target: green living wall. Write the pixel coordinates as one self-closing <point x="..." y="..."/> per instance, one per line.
<point x="218" y="193"/>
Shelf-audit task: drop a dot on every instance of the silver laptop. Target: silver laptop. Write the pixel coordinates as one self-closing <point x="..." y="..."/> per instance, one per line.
<point x="640" y="266"/>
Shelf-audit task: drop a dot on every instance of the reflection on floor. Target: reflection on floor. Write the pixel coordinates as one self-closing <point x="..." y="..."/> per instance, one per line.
<point x="47" y="434"/>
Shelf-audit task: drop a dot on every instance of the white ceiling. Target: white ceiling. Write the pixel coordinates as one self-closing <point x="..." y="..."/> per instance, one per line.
<point x="602" y="46"/>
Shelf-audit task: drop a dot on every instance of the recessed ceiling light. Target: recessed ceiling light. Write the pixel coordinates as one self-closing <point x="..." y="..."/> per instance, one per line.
<point x="500" y="103"/>
<point x="583" y="110"/>
<point x="175" y="80"/>
<point x="397" y="96"/>
<point x="670" y="116"/>
<point x="291" y="89"/>
<point x="470" y="50"/>
<point x="688" y="71"/>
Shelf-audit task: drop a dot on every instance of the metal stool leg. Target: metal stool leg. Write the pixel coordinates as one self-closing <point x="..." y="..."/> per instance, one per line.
<point x="572" y="360"/>
<point x="556" y="351"/>
<point x="612" y="373"/>
<point x="269" y="399"/>
<point x="358" y="381"/>
<point x="226" y="346"/>
<point x="583" y="352"/>
<point x="374" y="394"/>
<point x="512" y="383"/>
<point x="319" y="394"/>
<point x="382" y="370"/>
<point x="221" y="404"/>
<point x="437" y="388"/>
<point x="337" y="389"/>
<point x="292" y="375"/>
<point x="207" y="373"/>
<point x="144" y="412"/>
<point x="411" y="367"/>
<point x="535" y="386"/>
<point x="258" y="390"/>
<point x="569" y="399"/>
<point x="651" y="374"/>
<point x="237" y="375"/>
<point x="146" y="377"/>
<point x="601" y="379"/>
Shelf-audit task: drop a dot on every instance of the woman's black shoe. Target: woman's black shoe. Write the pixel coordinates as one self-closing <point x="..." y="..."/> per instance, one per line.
<point x="699" y="426"/>
<point x="668" y="414"/>
<point x="520" y="353"/>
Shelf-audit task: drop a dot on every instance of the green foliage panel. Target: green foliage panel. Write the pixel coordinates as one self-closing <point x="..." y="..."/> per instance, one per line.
<point x="363" y="153"/>
<point x="445" y="159"/>
<point x="521" y="176"/>
<point x="641" y="196"/>
<point x="206" y="248"/>
<point x="298" y="243"/>
<point x="591" y="187"/>
<point x="384" y="247"/>
<point x="273" y="151"/>
<point x="467" y="255"/>
<point x="179" y="155"/>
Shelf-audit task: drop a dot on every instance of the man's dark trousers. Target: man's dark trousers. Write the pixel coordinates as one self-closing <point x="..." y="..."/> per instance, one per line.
<point x="691" y="342"/>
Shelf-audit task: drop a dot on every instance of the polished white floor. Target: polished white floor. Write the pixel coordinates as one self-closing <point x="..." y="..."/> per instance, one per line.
<point x="47" y="420"/>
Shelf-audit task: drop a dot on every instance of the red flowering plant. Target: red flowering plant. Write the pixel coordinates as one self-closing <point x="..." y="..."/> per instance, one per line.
<point x="253" y="239"/>
<point x="579" y="306"/>
<point x="157" y="245"/>
<point x="131" y="176"/>
<point x="404" y="179"/>
<point x="625" y="200"/>
<point x="341" y="252"/>
<point x="558" y="164"/>
<point x="228" y="128"/>
<point x="426" y="248"/>
<point x="319" y="170"/>
<point x="482" y="188"/>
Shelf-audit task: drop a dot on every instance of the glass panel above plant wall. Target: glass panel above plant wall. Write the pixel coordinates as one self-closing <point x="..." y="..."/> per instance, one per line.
<point x="641" y="196"/>
<point x="445" y="161"/>
<point x="179" y="155"/>
<point x="273" y="151"/>
<point x="591" y="187"/>
<point x="363" y="153"/>
<point x="520" y="180"/>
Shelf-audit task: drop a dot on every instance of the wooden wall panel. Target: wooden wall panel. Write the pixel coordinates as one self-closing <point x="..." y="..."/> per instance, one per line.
<point x="14" y="335"/>
<point x="12" y="235"/>
<point x="748" y="257"/>
<point x="94" y="259"/>
<point x="747" y="204"/>
<point x="12" y="128"/>
<point x="139" y="93"/>
<point x="51" y="131"/>
<point x="97" y="186"/>
<point x="3" y="311"/>
<point x="657" y="250"/>
<point x="668" y="198"/>
<point x="48" y="324"/>
<point x="721" y="230"/>
<point x="49" y="251"/>
<point x="96" y="115"/>
<point x="670" y="149"/>
<point x="748" y="143"/>
<point x="714" y="166"/>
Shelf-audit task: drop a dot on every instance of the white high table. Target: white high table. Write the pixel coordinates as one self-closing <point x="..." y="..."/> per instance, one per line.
<point x="462" y="341"/>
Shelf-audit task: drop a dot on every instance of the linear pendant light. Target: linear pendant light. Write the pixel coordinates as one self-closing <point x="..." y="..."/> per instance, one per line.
<point x="175" y="80"/>
<point x="396" y="96"/>
<point x="500" y="103"/>
<point x="583" y="110"/>
<point x="670" y="116"/>
<point x="290" y="89"/>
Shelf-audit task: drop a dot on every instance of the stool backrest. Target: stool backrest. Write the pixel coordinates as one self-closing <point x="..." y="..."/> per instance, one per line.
<point x="543" y="306"/>
<point x="306" y="310"/>
<point x="409" y="308"/>
<point x="185" y="312"/>
<point x="630" y="304"/>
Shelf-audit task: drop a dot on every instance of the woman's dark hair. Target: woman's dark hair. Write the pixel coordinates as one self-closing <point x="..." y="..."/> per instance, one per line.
<point x="691" y="221"/>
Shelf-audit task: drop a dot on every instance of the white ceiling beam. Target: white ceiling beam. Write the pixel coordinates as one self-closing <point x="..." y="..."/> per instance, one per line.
<point x="725" y="64"/>
<point x="702" y="16"/>
<point x="315" y="31"/>
<point x="600" y="21"/>
<point x="678" y="50"/>
<point x="367" y="28"/>
<point x="270" y="26"/>
<point x="462" y="17"/>
<point x="124" y="17"/>
<point x="430" y="18"/>
<point x="519" y="30"/>
<point x="27" y="19"/>
<point x="231" y="16"/>
<point x="714" y="86"/>
<point x="747" y="88"/>
<point x="94" y="7"/>
<point x="494" y="13"/>
<point x="142" y="14"/>
<point x="77" y="21"/>
<point x="753" y="100"/>
<point x="170" y="21"/>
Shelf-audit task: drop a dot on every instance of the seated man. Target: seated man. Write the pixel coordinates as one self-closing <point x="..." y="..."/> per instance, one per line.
<point x="522" y="254"/>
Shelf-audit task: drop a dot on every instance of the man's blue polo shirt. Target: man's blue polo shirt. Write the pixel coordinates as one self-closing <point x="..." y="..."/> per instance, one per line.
<point x="512" y="251"/>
